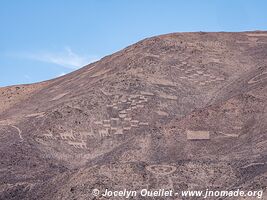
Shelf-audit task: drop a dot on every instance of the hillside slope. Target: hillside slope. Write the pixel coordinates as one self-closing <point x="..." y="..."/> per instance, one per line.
<point x="125" y="121"/>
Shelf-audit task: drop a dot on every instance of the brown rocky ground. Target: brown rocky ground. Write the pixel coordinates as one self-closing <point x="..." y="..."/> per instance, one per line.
<point x="15" y="94"/>
<point x="122" y="122"/>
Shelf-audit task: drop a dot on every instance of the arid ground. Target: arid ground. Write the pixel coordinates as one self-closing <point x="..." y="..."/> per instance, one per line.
<point x="182" y="111"/>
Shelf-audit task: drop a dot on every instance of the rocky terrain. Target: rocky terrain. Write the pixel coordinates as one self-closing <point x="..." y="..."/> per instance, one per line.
<point x="182" y="111"/>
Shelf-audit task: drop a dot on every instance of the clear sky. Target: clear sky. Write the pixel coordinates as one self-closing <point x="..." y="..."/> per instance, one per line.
<point x="40" y="40"/>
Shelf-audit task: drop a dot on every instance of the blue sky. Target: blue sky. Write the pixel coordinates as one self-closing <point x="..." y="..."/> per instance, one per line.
<point x="40" y="40"/>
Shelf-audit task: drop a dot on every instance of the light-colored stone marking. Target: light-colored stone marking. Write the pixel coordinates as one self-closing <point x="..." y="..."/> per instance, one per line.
<point x="140" y="106"/>
<point x="197" y="135"/>
<point x="190" y="71"/>
<point x="258" y="78"/>
<point x="227" y="135"/>
<point x="67" y="135"/>
<point x="122" y="115"/>
<point x="105" y="92"/>
<point x="142" y="97"/>
<point x="257" y="34"/>
<point x="252" y="164"/>
<point x="19" y="131"/>
<point x="132" y="96"/>
<point x="200" y="72"/>
<point x="103" y="132"/>
<point x="40" y="114"/>
<point x="220" y="79"/>
<point x="147" y="93"/>
<point x="161" y="169"/>
<point x="167" y="96"/>
<point x="160" y="81"/>
<point x="107" y="125"/>
<point x="230" y="134"/>
<point x="238" y="127"/>
<point x="98" y="122"/>
<point x="162" y="113"/>
<point x="133" y="104"/>
<point x="5" y="122"/>
<point x="143" y="123"/>
<point x="134" y="125"/>
<point x="114" y="119"/>
<point x="59" y="96"/>
<point x="195" y="80"/>
<point x="88" y="133"/>
<point x="119" y="131"/>
<point x="48" y="135"/>
<point x="195" y="75"/>
<point x="207" y="82"/>
<point x="78" y="144"/>
<point x="262" y="143"/>
<point x="140" y="101"/>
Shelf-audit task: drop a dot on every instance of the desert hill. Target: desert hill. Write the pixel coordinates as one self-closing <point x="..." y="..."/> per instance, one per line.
<point x="181" y="111"/>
